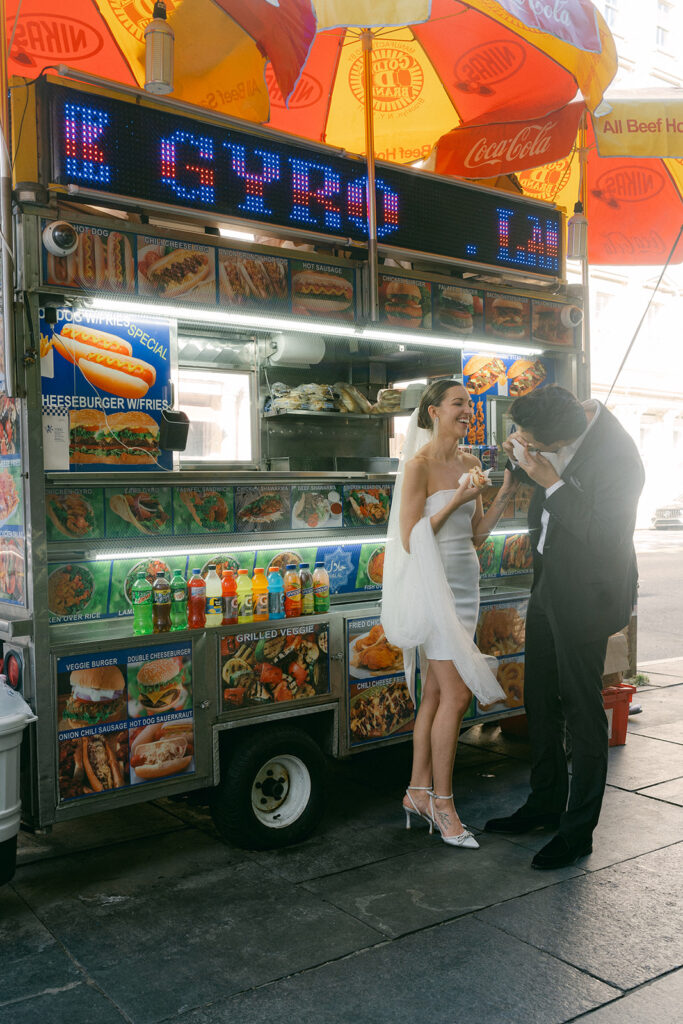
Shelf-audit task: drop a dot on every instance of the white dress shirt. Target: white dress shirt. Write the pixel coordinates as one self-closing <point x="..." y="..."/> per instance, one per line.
<point x="559" y="460"/>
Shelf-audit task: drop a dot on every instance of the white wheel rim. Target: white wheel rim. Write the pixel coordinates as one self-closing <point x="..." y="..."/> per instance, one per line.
<point x="281" y="791"/>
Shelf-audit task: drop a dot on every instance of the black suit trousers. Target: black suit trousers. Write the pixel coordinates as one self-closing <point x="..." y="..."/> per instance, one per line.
<point x="562" y="685"/>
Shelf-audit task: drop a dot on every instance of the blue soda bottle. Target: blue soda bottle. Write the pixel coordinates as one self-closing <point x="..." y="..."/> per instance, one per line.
<point x="276" y="595"/>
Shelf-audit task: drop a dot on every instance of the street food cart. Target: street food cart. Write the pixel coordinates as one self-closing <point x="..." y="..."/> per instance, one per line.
<point x="130" y="300"/>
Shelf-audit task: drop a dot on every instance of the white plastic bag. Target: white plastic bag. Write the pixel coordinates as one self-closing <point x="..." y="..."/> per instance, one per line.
<point x="12" y="703"/>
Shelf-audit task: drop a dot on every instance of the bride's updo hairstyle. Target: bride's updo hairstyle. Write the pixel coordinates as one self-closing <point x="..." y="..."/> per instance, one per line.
<point x="434" y="395"/>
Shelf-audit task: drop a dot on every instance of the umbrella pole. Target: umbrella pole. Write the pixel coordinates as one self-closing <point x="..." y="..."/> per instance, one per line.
<point x="366" y="40"/>
<point x="6" y="254"/>
<point x="584" y="385"/>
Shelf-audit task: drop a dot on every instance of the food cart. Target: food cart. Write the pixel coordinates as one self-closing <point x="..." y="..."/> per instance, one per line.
<point x="129" y="301"/>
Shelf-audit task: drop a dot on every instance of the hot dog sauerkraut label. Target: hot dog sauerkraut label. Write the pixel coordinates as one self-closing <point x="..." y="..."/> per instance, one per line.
<point x="124" y="718"/>
<point x="111" y="375"/>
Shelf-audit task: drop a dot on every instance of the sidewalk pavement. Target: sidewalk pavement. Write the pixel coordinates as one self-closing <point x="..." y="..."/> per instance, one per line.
<point x="144" y="916"/>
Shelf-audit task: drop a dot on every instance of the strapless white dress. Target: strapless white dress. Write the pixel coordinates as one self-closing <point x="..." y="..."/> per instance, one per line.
<point x="461" y="566"/>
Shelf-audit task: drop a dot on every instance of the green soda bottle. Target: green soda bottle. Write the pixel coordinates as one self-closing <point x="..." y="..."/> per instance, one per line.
<point x="141" y="594"/>
<point x="178" y="601"/>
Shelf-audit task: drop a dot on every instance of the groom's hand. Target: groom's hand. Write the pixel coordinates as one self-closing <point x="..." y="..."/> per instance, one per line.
<point x="539" y="469"/>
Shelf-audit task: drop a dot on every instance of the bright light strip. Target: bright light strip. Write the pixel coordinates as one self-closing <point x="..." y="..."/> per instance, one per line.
<point x="268" y="323"/>
<point x="217" y="549"/>
<point x="234" y="233"/>
<point x="508" y="533"/>
<point x="271" y="323"/>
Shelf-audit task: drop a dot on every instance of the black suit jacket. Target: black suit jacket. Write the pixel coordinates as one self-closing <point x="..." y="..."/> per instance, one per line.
<point x="587" y="576"/>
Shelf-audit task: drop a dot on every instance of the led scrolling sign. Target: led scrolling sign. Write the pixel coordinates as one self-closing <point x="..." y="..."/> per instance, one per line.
<point x="120" y="147"/>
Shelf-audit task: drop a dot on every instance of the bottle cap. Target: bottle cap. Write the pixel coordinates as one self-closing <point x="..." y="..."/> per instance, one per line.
<point x="292" y="565"/>
<point x="320" y="565"/>
<point x="196" y="572"/>
<point x="160" y="573"/>
<point x="257" y="570"/>
<point x="273" y="568"/>
<point x="303" y="565"/>
<point x="241" y="572"/>
<point x="212" y="567"/>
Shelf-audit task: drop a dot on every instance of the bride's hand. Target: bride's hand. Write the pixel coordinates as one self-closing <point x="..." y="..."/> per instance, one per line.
<point x="466" y="491"/>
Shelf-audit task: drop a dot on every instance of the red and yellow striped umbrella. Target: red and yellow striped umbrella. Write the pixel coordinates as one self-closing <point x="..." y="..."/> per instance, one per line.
<point x="436" y="65"/>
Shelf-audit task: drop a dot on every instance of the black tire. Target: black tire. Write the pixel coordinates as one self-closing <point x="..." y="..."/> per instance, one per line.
<point x="283" y="770"/>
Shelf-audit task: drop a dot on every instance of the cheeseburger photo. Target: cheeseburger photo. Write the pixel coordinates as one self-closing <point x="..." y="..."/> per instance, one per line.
<point x="507" y="316"/>
<point x="315" y="293"/>
<point x="457" y="309"/>
<point x="402" y="303"/>
<point x="97" y="695"/>
<point x="161" y="685"/>
<point x="121" y="439"/>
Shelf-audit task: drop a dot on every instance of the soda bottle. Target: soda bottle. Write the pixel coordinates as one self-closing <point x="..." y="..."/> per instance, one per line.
<point x="292" y="585"/>
<point x="276" y="594"/>
<point x="306" y="589"/>
<point x="321" y="589"/>
<point x="259" y="593"/>
<point x="178" y="601"/>
<point x="245" y="601"/>
<point x="161" y="604"/>
<point x="229" y="588"/>
<point x="196" y="601"/>
<point x="142" y="604"/>
<point x="214" y="598"/>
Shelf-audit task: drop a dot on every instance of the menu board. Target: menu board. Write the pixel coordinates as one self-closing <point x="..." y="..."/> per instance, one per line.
<point x="12" y="537"/>
<point x="500" y="632"/>
<point x="105" y="381"/>
<point x="279" y="664"/>
<point x="498" y="374"/>
<point x="506" y="555"/>
<point x="379" y="703"/>
<point x="404" y="302"/>
<point x="125" y="718"/>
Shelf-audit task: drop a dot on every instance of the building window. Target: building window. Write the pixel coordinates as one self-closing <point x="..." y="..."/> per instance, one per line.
<point x="611" y="12"/>
<point x="662" y="28"/>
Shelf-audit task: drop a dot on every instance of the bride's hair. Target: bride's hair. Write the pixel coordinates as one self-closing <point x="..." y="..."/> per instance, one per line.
<point x="434" y="395"/>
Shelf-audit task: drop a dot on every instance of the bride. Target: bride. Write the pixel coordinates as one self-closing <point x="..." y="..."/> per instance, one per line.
<point x="430" y="594"/>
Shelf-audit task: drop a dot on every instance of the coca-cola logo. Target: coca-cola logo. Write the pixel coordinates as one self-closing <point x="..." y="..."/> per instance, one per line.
<point x="628" y="185"/>
<point x="546" y="182"/>
<point x="307" y="92"/>
<point x="44" y="36"/>
<point x="397" y="79"/>
<point x="616" y="243"/>
<point x="529" y="143"/>
<point x="482" y="67"/>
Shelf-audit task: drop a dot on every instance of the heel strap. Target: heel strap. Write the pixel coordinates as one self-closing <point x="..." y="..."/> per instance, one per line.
<point x="436" y="796"/>
<point x="427" y="789"/>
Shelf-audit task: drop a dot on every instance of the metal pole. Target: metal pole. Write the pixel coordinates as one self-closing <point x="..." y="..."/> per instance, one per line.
<point x="366" y="40"/>
<point x="6" y="254"/>
<point x="584" y="385"/>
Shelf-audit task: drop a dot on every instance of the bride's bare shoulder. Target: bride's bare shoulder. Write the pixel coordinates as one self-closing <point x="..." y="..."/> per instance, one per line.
<point x="418" y="466"/>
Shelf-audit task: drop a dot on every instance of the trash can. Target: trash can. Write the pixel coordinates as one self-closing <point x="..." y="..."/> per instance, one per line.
<point x="11" y="731"/>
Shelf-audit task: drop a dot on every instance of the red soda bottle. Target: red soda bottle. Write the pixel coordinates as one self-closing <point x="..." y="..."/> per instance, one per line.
<point x="196" y="601"/>
<point x="229" y="589"/>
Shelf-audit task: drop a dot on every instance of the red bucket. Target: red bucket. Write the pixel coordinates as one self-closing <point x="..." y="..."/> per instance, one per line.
<point x="617" y="700"/>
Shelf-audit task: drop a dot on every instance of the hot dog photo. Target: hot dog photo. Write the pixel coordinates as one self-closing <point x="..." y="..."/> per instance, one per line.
<point x="112" y="376"/>
<point x="176" y="270"/>
<point x="103" y="261"/>
<point x="318" y="292"/>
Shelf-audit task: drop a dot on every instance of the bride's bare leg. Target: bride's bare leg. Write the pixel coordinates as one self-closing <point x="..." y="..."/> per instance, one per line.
<point x="454" y="699"/>
<point x="421" y="775"/>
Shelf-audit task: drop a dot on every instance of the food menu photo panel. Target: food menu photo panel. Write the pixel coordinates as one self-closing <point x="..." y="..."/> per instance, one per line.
<point x="12" y="570"/>
<point x="496" y="374"/>
<point x="458" y="310"/>
<point x="124" y="572"/>
<point x="262" y="508"/>
<point x="507" y="317"/>
<point x="547" y="323"/>
<point x="124" y="718"/>
<point x="252" y="280"/>
<point x="78" y="591"/>
<point x="501" y="627"/>
<point x="322" y="291"/>
<point x="110" y="377"/>
<point x="380" y="705"/>
<point x="202" y="510"/>
<point x="282" y="664"/>
<point x="104" y="260"/>
<point x="510" y="675"/>
<point x="367" y="505"/>
<point x="135" y="511"/>
<point x="74" y="513"/>
<point x="404" y="302"/>
<point x="315" y="506"/>
<point x="170" y="269"/>
<point x="370" y="567"/>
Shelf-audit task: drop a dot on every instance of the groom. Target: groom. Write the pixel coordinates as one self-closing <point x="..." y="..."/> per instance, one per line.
<point x="588" y="478"/>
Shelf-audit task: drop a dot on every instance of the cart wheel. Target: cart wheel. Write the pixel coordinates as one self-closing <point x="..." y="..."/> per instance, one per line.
<point x="271" y="792"/>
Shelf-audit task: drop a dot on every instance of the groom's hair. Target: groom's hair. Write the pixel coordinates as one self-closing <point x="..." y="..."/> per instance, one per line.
<point x="434" y="395"/>
<point x="550" y="414"/>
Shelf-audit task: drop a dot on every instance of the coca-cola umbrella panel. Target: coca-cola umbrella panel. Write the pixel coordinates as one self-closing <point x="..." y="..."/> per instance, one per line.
<point x="631" y="159"/>
<point x="436" y="65"/>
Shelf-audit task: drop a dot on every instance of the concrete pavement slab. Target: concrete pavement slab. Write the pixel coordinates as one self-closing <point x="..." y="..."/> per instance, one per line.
<point x="465" y="971"/>
<point x="96" y="830"/>
<point x="81" y="1003"/>
<point x="30" y="976"/>
<point x="489" y="736"/>
<point x="659" y="1001"/>
<point x="623" y="924"/>
<point x="670" y="792"/>
<point x="21" y="934"/>
<point x="422" y="889"/>
<point x="629" y="826"/>
<point x="643" y="761"/>
<point x="661" y="706"/>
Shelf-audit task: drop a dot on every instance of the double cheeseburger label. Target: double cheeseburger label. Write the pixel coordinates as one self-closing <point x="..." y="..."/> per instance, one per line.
<point x="124" y="718"/>
<point x="105" y="381"/>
